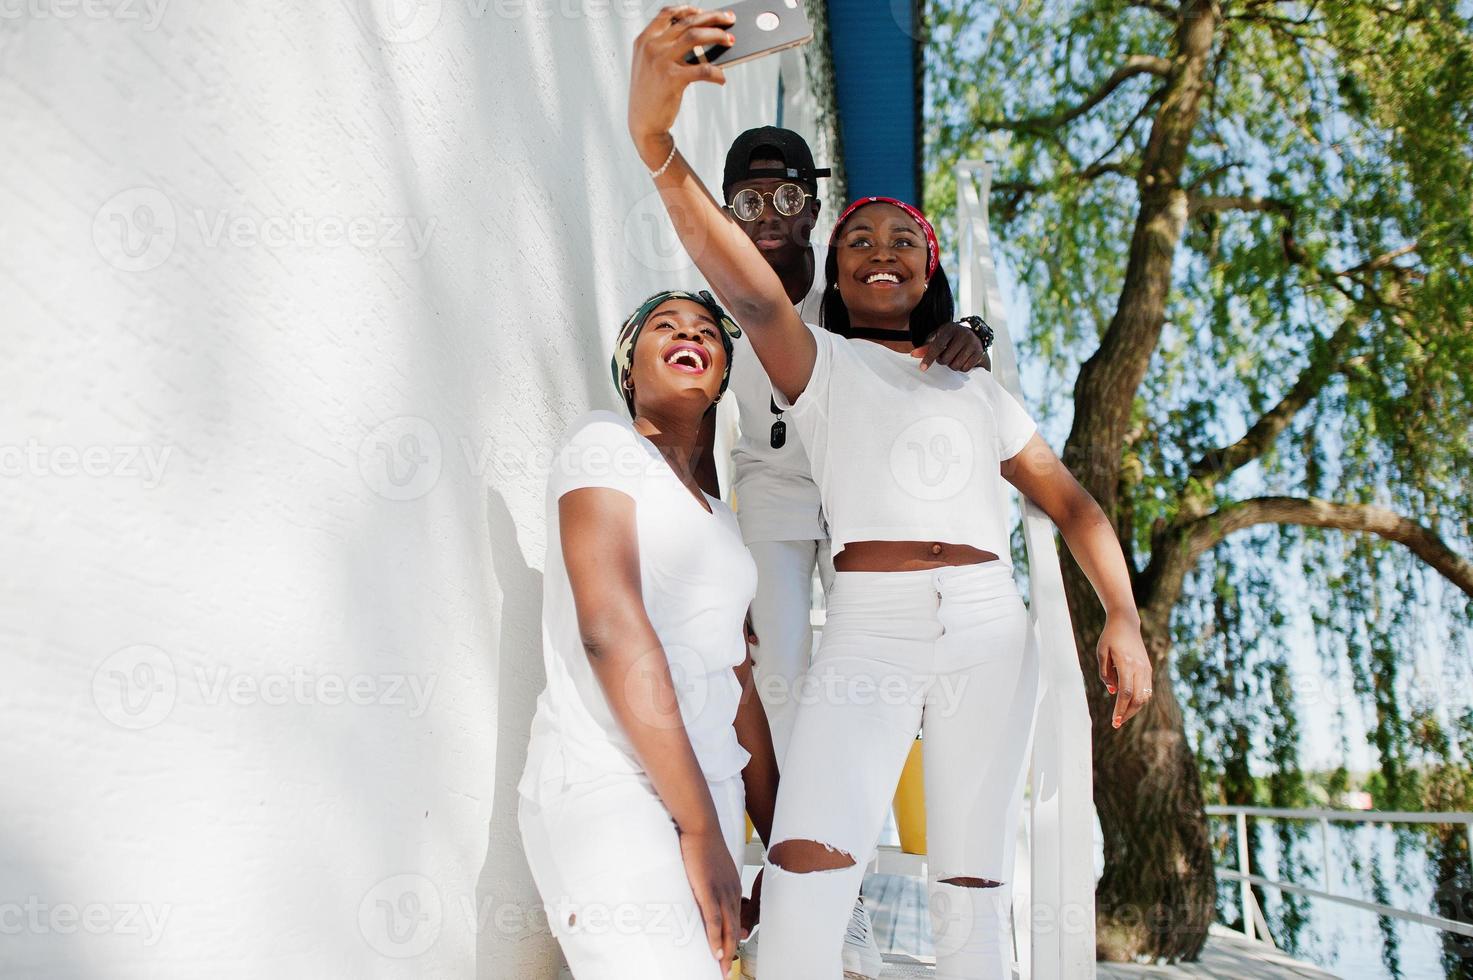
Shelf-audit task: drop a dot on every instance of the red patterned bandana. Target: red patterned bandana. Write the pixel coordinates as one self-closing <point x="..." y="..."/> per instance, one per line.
<point x="933" y="251"/>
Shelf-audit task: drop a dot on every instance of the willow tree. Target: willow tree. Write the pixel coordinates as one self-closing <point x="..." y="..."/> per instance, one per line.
<point x="1243" y="227"/>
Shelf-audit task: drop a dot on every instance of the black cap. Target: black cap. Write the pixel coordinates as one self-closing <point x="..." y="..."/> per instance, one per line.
<point x="769" y="141"/>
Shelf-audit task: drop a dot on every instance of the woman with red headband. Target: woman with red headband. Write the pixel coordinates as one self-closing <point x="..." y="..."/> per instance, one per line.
<point x="926" y="628"/>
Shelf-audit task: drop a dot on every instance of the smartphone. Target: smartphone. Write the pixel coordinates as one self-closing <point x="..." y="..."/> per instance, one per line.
<point x="762" y="27"/>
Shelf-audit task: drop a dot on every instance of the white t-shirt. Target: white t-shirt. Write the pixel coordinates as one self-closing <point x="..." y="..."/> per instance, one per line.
<point x="901" y="454"/>
<point x="697" y="579"/>
<point x="776" y="497"/>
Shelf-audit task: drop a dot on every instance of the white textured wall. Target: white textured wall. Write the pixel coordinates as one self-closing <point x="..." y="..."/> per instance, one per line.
<point x="295" y="299"/>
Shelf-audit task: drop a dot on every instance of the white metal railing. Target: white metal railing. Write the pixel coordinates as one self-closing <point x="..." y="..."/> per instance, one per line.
<point x="1060" y="905"/>
<point x="1246" y="879"/>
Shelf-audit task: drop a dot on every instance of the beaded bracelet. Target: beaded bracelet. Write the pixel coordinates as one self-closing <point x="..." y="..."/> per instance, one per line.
<point x="657" y="173"/>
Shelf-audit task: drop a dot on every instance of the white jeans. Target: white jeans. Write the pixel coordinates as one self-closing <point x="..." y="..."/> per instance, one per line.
<point x="949" y="652"/>
<point x="606" y="859"/>
<point x="781" y="619"/>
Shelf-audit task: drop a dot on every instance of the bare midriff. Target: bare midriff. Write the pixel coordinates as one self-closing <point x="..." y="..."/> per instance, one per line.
<point x="906" y="556"/>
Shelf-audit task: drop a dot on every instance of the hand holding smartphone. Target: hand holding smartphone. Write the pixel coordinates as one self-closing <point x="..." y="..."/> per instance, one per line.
<point x="762" y="27"/>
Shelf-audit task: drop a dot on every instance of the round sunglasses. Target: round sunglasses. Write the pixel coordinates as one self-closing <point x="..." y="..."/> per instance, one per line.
<point x="748" y="204"/>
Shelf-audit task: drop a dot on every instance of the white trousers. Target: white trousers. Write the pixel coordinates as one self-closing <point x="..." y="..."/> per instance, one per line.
<point x="945" y="651"/>
<point x="605" y="856"/>
<point x="781" y="619"/>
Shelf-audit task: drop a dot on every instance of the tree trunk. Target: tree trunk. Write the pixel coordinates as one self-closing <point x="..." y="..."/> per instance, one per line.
<point x="1159" y="890"/>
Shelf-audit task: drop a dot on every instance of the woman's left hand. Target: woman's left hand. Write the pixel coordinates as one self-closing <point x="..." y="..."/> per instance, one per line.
<point x="955" y="346"/>
<point x="1124" y="667"/>
<point x="661" y="74"/>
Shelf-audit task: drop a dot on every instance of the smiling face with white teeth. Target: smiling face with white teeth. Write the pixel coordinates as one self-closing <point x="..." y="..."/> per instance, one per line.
<point x="679" y="360"/>
<point x="881" y="255"/>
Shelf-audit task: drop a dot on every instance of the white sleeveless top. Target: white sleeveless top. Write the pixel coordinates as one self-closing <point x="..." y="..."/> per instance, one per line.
<point x="901" y="454"/>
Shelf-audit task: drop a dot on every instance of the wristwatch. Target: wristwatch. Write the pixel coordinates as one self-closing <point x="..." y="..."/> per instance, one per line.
<point x="980" y="327"/>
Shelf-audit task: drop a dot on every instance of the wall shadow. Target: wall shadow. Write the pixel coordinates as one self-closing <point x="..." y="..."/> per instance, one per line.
<point x="513" y="939"/>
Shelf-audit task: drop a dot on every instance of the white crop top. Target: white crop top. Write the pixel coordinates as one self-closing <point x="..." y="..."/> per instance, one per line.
<point x="901" y="454"/>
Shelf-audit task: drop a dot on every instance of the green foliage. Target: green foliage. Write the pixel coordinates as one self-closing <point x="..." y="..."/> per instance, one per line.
<point x="1358" y="118"/>
<point x="1354" y="120"/>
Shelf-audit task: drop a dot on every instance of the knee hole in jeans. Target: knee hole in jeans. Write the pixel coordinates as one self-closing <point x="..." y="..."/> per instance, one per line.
<point x="806" y="856"/>
<point x="966" y="882"/>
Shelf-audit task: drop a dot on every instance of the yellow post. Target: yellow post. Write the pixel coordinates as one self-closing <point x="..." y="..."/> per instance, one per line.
<point x="910" y="803"/>
<point x="750" y="830"/>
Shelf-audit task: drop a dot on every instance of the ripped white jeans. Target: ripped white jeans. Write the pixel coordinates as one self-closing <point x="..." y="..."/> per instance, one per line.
<point x="946" y="651"/>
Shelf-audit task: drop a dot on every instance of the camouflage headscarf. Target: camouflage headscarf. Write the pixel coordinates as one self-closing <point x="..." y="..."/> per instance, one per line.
<point x="623" y="360"/>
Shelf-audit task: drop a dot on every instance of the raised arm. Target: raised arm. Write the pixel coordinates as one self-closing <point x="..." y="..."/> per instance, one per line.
<point x="727" y="258"/>
<point x="601" y="553"/>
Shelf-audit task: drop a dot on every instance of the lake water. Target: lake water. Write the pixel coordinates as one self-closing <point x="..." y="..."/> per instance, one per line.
<point x="1341" y="938"/>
